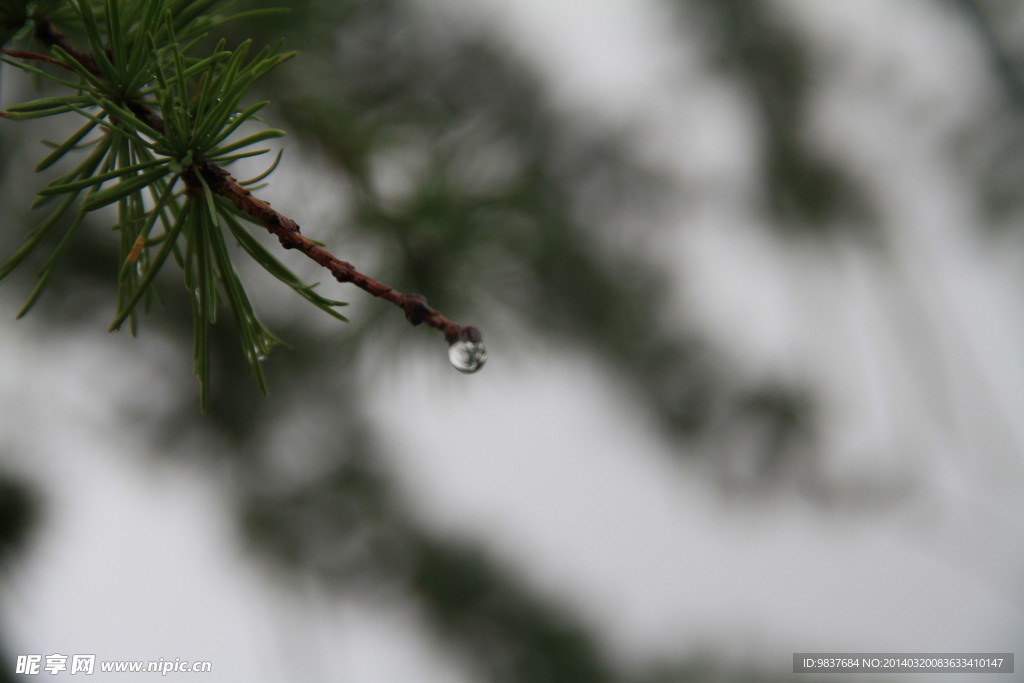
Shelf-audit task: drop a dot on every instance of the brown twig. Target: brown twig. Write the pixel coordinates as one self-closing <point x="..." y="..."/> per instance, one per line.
<point x="39" y="57"/>
<point x="49" y="34"/>
<point x="288" y="233"/>
<point x="284" y="228"/>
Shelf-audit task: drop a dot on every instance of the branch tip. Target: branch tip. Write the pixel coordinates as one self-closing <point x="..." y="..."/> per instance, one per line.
<point x="221" y="183"/>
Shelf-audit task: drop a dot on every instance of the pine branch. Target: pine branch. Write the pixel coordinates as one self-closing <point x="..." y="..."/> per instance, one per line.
<point x="220" y="182"/>
<point x="288" y="233"/>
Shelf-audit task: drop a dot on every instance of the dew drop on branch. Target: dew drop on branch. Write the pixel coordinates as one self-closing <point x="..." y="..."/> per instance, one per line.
<point x="467" y="353"/>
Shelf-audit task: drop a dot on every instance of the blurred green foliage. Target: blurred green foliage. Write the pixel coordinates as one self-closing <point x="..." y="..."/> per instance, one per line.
<point x="804" y="189"/>
<point x="19" y="510"/>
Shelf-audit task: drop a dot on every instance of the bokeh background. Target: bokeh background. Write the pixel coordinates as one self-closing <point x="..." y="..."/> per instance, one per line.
<point x="750" y="276"/>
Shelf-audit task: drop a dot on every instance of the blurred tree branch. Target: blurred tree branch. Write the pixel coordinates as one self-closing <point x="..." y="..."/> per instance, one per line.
<point x="1002" y="64"/>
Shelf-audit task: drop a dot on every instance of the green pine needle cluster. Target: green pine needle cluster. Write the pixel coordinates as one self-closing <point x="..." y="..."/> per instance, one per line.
<point x="154" y="115"/>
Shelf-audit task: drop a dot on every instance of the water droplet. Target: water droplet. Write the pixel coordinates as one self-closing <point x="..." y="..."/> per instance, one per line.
<point x="467" y="352"/>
